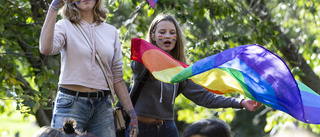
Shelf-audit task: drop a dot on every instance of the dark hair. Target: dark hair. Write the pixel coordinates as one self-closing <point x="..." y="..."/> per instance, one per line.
<point x="68" y="130"/>
<point x="208" y="128"/>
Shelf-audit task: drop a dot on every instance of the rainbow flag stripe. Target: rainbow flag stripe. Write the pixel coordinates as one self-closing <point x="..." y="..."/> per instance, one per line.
<point x="250" y="70"/>
<point x="174" y="38"/>
<point x="160" y="38"/>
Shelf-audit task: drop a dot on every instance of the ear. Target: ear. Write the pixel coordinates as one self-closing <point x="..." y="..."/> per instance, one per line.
<point x="152" y="36"/>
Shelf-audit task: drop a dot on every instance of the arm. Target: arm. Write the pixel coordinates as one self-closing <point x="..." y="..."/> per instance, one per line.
<point x="124" y="98"/>
<point x="202" y="97"/>
<point x="47" y="31"/>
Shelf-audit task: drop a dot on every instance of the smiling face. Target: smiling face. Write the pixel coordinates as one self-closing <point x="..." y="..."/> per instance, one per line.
<point x="165" y="36"/>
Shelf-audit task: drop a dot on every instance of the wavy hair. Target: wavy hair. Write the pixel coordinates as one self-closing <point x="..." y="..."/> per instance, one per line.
<point x="178" y="51"/>
<point x="71" y="12"/>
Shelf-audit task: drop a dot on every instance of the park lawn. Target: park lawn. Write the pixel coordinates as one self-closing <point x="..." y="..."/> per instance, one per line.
<point x="10" y="125"/>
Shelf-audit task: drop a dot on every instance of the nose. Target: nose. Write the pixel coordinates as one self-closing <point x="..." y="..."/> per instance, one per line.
<point x="167" y="36"/>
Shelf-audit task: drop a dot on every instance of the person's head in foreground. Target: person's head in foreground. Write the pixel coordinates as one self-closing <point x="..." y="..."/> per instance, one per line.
<point x="67" y="131"/>
<point x="207" y="128"/>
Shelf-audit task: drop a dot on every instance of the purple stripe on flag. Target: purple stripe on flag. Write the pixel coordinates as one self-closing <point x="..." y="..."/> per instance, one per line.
<point x="152" y="3"/>
<point x="272" y="69"/>
<point x="257" y="86"/>
<point x="312" y="114"/>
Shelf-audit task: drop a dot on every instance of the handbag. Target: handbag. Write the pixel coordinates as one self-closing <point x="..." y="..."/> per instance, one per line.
<point x="117" y="112"/>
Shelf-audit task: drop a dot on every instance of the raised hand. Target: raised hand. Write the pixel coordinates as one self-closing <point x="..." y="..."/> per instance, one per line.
<point x="57" y="4"/>
<point x="250" y="105"/>
<point x="133" y="127"/>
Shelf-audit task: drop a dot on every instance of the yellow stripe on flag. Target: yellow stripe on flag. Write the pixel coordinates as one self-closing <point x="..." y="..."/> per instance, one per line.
<point x="217" y="79"/>
<point x="167" y="74"/>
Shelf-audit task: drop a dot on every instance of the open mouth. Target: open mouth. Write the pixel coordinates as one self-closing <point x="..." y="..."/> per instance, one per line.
<point x="167" y="42"/>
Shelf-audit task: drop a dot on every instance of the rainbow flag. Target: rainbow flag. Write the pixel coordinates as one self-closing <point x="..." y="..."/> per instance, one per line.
<point x="152" y="3"/>
<point x="250" y="70"/>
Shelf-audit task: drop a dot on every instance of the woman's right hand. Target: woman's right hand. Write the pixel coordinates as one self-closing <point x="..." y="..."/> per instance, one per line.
<point x="250" y="105"/>
<point x="57" y="4"/>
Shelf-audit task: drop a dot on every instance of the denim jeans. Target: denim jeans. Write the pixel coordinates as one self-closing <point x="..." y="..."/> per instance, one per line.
<point x="167" y="129"/>
<point x="91" y="115"/>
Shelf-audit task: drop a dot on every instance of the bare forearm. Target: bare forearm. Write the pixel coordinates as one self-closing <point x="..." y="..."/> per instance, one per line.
<point x="47" y="32"/>
<point x="123" y="96"/>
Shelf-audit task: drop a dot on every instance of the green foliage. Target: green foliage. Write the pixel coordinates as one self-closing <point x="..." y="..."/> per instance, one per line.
<point x="187" y="108"/>
<point x="23" y="74"/>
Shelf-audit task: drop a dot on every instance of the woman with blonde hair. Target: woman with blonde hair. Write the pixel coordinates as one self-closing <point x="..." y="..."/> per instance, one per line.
<point x="83" y="91"/>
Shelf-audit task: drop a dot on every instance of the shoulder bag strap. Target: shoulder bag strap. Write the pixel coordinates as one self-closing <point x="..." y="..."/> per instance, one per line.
<point x="100" y="64"/>
<point x="136" y="94"/>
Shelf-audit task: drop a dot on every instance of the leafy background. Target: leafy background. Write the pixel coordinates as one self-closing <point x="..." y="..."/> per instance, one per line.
<point x="289" y="28"/>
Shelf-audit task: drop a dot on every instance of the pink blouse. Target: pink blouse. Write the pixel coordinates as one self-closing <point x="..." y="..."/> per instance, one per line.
<point x="78" y="65"/>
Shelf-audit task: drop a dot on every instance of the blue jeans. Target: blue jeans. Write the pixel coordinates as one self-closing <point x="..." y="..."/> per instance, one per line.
<point x="167" y="129"/>
<point x="91" y="115"/>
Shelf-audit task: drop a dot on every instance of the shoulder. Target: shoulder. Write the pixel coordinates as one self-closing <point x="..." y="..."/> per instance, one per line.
<point x="138" y="69"/>
<point x="107" y="26"/>
<point x="63" y="21"/>
<point x="137" y="66"/>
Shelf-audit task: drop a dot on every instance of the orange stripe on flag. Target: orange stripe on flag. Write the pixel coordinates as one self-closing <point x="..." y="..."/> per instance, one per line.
<point x="158" y="61"/>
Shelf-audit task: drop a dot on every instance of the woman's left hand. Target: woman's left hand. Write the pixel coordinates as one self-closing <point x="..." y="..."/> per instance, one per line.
<point x="250" y="105"/>
<point x="133" y="126"/>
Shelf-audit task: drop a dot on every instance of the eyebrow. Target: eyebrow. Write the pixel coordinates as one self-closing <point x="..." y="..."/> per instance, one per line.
<point x="169" y="30"/>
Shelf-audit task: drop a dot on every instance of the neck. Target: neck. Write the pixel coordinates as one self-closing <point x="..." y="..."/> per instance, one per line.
<point x="87" y="16"/>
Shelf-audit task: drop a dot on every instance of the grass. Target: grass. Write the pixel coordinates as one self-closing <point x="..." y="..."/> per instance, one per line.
<point x="11" y="125"/>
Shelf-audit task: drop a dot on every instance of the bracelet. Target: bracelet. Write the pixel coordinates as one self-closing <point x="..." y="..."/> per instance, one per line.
<point x="53" y="8"/>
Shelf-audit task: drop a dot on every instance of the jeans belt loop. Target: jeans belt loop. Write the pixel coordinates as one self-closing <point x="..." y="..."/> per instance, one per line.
<point x="77" y="94"/>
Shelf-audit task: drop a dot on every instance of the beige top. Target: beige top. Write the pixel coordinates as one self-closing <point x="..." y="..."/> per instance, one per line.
<point x="78" y="65"/>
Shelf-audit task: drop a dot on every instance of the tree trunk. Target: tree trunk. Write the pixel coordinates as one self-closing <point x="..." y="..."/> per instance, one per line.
<point x="42" y="118"/>
<point x="287" y="48"/>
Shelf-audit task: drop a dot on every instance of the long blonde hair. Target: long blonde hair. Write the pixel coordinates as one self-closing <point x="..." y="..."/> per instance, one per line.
<point x="71" y="12"/>
<point x="178" y="51"/>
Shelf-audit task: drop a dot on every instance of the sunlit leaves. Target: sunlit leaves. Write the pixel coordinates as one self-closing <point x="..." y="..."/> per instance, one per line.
<point x="190" y="112"/>
<point x="150" y="12"/>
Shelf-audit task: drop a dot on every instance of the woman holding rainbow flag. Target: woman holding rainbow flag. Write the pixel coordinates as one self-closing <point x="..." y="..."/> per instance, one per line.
<point x="155" y="103"/>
